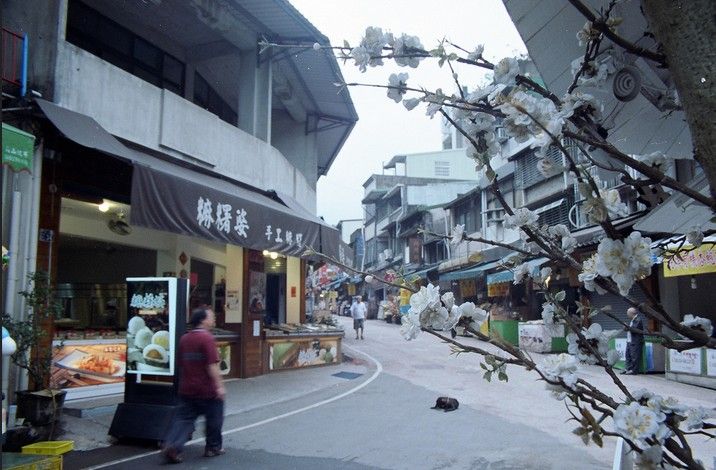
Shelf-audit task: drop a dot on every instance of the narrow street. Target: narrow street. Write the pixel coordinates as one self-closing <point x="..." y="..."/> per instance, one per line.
<point x="389" y="424"/>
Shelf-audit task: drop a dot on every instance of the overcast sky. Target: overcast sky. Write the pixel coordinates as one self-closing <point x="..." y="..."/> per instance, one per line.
<point x="385" y="128"/>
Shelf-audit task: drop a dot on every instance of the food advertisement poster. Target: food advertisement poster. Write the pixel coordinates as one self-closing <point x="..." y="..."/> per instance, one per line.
<point x="87" y="364"/>
<point x="257" y="292"/>
<point x="151" y="325"/>
<point x="309" y="352"/>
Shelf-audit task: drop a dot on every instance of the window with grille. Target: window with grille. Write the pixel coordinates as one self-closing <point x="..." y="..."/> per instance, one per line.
<point x="527" y="174"/>
<point x="442" y="168"/>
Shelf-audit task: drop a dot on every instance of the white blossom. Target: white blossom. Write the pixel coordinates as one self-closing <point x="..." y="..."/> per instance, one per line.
<point x="571" y="102"/>
<point x="410" y="326"/>
<point x="405" y="45"/>
<point x="458" y="233"/>
<point x="411" y="103"/>
<point x="695" y="237"/>
<point x="370" y="48"/>
<point x="521" y="272"/>
<point x="427" y="298"/>
<point x="448" y="300"/>
<point x="475" y="314"/>
<point x="521" y="217"/>
<point x="587" y="33"/>
<point x="695" y="418"/>
<point x="698" y="323"/>
<point x="454" y="314"/>
<point x="589" y="275"/>
<point x="637" y="422"/>
<point x="548" y="313"/>
<point x="397" y="84"/>
<point x="477" y="53"/>
<point x="624" y="262"/>
<point x="547" y="168"/>
<point x="562" y="367"/>
<point x="597" y="339"/>
<point x="506" y="70"/>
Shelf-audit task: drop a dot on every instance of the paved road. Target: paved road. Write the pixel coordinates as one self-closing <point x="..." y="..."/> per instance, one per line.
<point x="388" y="423"/>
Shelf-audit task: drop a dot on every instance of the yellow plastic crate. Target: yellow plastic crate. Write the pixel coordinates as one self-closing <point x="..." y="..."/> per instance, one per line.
<point x="12" y="461"/>
<point x="49" y="447"/>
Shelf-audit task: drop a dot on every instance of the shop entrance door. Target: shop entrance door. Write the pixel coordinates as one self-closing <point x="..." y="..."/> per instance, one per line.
<point x="201" y="291"/>
<point x="275" y="298"/>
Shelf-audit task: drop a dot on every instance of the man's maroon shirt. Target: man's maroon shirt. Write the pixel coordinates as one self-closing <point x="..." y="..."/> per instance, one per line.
<point x="197" y="350"/>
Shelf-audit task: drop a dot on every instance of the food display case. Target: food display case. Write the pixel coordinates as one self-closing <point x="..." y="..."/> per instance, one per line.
<point x="296" y="346"/>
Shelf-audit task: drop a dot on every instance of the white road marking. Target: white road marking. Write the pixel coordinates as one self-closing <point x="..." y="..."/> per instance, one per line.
<point x="378" y="370"/>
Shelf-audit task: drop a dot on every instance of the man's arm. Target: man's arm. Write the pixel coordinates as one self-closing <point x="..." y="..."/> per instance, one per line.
<point x="215" y="374"/>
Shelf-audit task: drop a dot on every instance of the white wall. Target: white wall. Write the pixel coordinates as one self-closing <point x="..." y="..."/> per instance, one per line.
<point x="157" y="119"/>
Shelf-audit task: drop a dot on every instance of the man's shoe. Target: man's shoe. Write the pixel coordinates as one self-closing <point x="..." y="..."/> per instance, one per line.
<point x="623" y="372"/>
<point x="171" y="455"/>
<point x="630" y="372"/>
<point x="214" y="452"/>
<point x="356" y="337"/>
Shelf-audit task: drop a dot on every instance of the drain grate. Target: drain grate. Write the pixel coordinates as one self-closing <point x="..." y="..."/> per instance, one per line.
<point x="347" y="375"/>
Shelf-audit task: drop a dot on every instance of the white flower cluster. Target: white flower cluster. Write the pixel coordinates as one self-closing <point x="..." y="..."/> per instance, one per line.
<point x="645" y="418"/>
<point x="589" y="275"/>
<point x="529" y="117"/>
<point x="561" y="233"/>
<point x="624" y="261"/>
<point x="458" y="233"/>
<point x="597" y="339"/>
<point x="698" y="323"/>
<point x="429" y="310"/>
<point x="369" y="51"/>
<point x="521" y="218"/>
<point x="562" y="367"/>
<point x="607" y="203"/>
<point x="397" y="86"/>
<point x="548" y="309"/>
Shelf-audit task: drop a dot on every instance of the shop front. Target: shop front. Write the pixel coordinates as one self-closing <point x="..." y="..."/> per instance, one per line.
<point x="110" y="213"/>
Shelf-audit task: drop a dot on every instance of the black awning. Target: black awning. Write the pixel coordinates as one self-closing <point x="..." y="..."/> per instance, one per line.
<point x="189" y="201"/>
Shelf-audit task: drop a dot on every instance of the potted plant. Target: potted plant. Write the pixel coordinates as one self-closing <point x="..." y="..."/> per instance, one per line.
<point x="40" y="405"/>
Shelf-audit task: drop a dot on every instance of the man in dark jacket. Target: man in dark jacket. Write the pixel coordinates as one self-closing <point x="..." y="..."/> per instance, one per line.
<point x="635" y="342"/>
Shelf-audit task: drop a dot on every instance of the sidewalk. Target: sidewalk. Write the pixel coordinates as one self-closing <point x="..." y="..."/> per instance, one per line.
<point x="87" y="422"/>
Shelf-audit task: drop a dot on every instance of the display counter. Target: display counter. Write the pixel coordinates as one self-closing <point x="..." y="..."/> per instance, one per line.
<point x="694" y="366"/>
<point x="296" y="346"/>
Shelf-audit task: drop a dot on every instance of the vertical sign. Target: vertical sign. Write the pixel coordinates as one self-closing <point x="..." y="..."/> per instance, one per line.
<point x="151" y="325"/>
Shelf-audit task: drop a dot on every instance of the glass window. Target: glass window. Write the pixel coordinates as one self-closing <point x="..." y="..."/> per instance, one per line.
<point x="147" y="55"/>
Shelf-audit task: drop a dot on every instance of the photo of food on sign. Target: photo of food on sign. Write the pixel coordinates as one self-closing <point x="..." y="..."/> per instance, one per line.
<point x="89" y="364"/>
<point x="149" y="335"/>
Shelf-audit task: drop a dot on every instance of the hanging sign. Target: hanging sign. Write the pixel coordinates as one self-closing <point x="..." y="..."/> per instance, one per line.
<point x="700" y="260"/>
<point x="17" y="148"/>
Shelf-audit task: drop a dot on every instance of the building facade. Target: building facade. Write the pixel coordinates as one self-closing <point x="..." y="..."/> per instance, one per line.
<point x="171" y="142"/>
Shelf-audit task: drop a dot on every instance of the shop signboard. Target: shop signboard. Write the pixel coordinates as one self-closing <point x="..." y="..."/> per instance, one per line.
<point x="467" y="288"/>
<point x="302" y="353"/>
<point x="151" y="325"/>
<point x="17" y="148"/>
<point x="700" y="260"/>
<point x="710" y="362"/>
<point x="688" y="361"/>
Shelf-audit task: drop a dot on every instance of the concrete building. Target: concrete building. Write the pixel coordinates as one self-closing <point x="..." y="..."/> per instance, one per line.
<point x="201" y="145"/>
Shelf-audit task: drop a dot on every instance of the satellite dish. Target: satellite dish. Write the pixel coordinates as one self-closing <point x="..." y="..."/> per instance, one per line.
<point x="118" y="225"/>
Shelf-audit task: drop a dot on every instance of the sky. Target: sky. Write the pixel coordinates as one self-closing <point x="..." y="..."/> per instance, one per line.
<point x="386" y="128"/>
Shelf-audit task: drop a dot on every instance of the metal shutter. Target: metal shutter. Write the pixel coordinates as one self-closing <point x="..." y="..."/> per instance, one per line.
<point x="619" y="307"/>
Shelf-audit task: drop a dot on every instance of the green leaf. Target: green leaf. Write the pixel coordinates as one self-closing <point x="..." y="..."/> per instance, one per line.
<point x="487" y="375"/>
<point x="346" y="45"/>
<point x="483" y="366"/>
<point x="560" y="296"/>
<point x="502" y="376"/>
<point x="597" y="438"/>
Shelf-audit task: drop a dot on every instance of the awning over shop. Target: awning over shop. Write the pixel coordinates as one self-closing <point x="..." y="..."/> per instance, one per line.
<point x="196" y="202"/>
<point x="468" y="273"/>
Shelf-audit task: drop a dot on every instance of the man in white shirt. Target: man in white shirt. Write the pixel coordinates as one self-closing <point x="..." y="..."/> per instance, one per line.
<point x="358" y="311"/>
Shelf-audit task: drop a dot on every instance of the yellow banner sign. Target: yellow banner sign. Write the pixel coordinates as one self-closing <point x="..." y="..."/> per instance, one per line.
<point x="700" y="260"/>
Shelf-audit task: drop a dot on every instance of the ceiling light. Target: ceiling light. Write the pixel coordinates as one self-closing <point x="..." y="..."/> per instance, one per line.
<point x="273" y="255"/>
<point x="266" y="252"/>
<point x="104" y="207"/>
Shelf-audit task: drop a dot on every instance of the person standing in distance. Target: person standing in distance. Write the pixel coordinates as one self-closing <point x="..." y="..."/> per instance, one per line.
<point x="358" y="311"/>
<point x="201" y="390"/>
<point x="635" y="342"/>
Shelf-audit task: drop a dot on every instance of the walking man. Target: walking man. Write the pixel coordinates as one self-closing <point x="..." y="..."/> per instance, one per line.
<point x="358" y="311"/>
<point x="635" y="342"/>
<point x="201" y="390"/>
